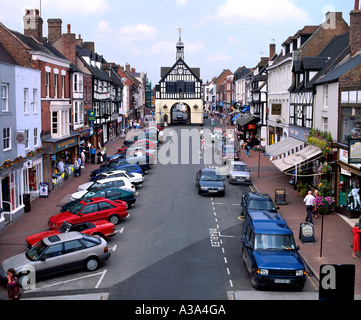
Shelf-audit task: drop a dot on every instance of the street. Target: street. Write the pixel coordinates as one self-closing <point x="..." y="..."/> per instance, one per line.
<point x="175" y="245"/>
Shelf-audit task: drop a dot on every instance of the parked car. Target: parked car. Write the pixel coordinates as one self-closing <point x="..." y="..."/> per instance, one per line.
<point x="117" y="166"/>
<point x="120" y="182"/>
<point x="257" y="202"/>
<point x="217" y="133"/>
<point x="136" y="179"/>
<point x="56" y="254"/>
<point x="102" y="228"/>
<point x="210" y="181"/>
<point x="141" y="161"/>
<point x="112" y="194"/>
<point x="270" y="253"/>
<point x="91" y="210"/>
<point x="229" y="152"/>
<point x="238" y="172"/>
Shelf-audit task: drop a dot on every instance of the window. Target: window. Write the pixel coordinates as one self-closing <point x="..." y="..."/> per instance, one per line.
<point x="6" y="138"/>
<point x="63" y="86"/>
<point x="4" y="97"/>
<point x="75" y="83"/>
<point x="76" y="113"/>
<point x="90" y="208"/>
<point x="105" y="206"/>
<point x="35" y="93"/>
<point x="36" y="138"/>
<point x="26" y="100"/>
<point x="119" y="183"/>
<point x="326" y="96"/>
<point x="54" y="122"/>
<point x="53" y="251"/>
<point x="26" y="139"/>
<point x="47" y="84"/>
<point x="55" y="85"/>
<point x="324" y="124"/>
<point x="72" y="246"/>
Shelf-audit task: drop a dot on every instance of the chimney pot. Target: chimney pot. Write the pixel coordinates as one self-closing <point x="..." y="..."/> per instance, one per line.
<point x="357" y="4"/>
<point x="69" y="28"/>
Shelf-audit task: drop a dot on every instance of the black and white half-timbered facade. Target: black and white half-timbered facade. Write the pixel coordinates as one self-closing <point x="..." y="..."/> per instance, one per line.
<point x="178" y="95"/>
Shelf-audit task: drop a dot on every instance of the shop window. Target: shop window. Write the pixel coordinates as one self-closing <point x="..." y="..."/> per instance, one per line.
<point x="349" y="196"/>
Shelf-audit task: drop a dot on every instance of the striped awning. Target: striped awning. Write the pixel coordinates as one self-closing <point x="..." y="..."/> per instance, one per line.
<point x="282" y="148"/>
<point x="293" y="160"/>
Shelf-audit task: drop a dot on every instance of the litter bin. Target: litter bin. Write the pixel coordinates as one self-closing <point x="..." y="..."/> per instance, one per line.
<point x="44" y="190"/>
<point x="27" y="203"/>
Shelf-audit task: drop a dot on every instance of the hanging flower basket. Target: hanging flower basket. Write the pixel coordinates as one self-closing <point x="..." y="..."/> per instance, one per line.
<point x="325" y="168"/>
<point x="259" y="148"/>
<point x="324" y="204"/>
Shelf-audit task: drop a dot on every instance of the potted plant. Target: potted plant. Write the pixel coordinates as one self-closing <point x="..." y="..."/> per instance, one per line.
<point x="30" y="153"/>
<point x="40" y="149"/>
<point x="7" y="163"/>
<point x="18" y="159"/>
<point x="325" y="168"/>
<point x="324" y="204"/>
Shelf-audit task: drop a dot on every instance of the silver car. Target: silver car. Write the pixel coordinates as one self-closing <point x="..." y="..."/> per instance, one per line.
<point x="237" y="172"/>
<point x="58" y="253"/>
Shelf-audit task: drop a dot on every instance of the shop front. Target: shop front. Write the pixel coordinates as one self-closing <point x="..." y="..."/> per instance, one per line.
<point x="112" y="130"/>
<point x="59" y="151"/>
<point x="348" y="180"/>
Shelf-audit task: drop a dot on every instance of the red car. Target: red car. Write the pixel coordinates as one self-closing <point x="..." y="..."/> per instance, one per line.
<point x="91" y="210"/>
<point x="102" y="228"/>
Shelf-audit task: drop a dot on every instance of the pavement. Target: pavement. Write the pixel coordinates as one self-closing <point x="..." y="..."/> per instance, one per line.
<point x="335" y="247"/>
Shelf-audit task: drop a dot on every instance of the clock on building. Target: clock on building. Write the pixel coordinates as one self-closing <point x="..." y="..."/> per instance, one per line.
<point x="180" y="71"/>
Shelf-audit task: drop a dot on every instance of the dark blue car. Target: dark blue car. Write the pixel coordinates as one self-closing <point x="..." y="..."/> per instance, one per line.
<point x="270" y="253"/>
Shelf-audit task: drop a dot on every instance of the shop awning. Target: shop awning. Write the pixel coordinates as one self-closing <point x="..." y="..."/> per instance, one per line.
<point x="245" y="119"/>
<point x="236" y="117"/>
<point x="281" y="149"/>
<point x="291" y="161"/>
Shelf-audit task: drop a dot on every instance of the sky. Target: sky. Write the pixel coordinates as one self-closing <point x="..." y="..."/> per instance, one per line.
<point x="218" y="34"/>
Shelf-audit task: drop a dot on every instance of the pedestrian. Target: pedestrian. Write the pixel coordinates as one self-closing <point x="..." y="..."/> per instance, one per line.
<point x="356" y="240"/>
<point x="80" y="164"/>
<point x="92" y="154"/>
<point x="76" y="167"/>
<point x="83" y="159"/>
<point x="104" y="155"/>
<point x="315" y="209"/>
<point x="310" y="204"/>
<point x="203" y="144"/>
<point x="61" y="166"/>
<point x="13" y="287"/>
<point x="160" y="137"/>
<point x="247" y="146"/>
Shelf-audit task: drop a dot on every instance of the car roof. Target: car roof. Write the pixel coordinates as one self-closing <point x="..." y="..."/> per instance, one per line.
<point x="210" y="170"/>
<point x="112" y="179"/>
<point x="238" y="162"/>
<point x="113" y="172"/>
<point x="259" y="196"/>
<point x="269" y="223"/>
<point x="62" y="237"/>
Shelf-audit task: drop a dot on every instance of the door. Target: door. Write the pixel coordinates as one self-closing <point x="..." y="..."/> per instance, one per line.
<point x="90" y="212"/>
<point x="74" y="254"/>
<point x="106" y="209"/>
<point x="51" y="261"/>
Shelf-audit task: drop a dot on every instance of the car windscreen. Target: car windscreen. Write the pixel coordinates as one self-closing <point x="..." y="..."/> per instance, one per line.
<point x="239" y="167"/>
<point x="274" y="242"/>
<point x="94" y="187"/>
<point x="261" y="205"/>
<point x="211" y="177"/>
<point x="36" y="251"/>
<point x="76" y="208"/>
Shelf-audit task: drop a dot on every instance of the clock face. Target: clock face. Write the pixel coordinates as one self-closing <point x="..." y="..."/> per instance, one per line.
<point x="180" y="71"/>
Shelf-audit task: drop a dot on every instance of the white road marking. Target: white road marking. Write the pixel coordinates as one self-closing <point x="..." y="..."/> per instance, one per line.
<point x="101" y="279"/>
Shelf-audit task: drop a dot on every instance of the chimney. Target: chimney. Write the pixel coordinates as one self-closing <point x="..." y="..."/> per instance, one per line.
<point x="132" y="70"/>
<point x="54" y="30"/>
<point x="272" y="50"/>
<point x="127" y="67"/>
<point x="90" y="46"/>
<point x="33" y="24"/>
<point x="69" y="49"/>
<point x="355" y="29"/>
<point x="79" y="41"/>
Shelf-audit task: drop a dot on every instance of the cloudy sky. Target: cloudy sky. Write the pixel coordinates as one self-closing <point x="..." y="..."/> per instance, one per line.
<point x="218" y="34"/>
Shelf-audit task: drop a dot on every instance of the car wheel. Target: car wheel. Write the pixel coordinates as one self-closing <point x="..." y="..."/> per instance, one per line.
<point x="91" y="264"/>
<point x="114" y="219"/>
<point x="24" y="280"/>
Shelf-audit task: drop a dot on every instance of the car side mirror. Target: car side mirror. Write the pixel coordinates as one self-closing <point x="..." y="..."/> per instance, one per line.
<point x="248" y="246"/>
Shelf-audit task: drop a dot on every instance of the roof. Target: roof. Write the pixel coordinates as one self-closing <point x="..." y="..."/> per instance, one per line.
<point x="6" y="57"/>
<point x="339" y="71"/>
<point x="269" y="222"/>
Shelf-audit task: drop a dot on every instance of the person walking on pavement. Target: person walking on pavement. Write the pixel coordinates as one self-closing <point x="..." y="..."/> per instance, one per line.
<point x="356" y="240"/>
<point x="13" y="287"/>
<point x="310" y="204"/>
<point x="92" y="154"/>
<point x="83" y="159"/>
<point x="315" y="209"/>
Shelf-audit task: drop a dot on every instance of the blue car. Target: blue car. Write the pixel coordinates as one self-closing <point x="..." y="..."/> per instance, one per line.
<point x="270" y="253"/>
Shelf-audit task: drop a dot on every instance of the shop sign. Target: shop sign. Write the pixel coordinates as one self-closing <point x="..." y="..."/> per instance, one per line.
<point x="280" y="196"/>
<point x="307" y="234"/>
<point x="59" y="146"/>
<point x="354" y="151"/>
<point x="91" y="115"/>
<point x="251" y="127"/>
<point x="20" y="137"/>
<point x="84" y="133"/>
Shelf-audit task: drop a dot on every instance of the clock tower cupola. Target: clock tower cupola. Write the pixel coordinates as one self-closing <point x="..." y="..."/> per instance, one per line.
<point x="180" y="46"/>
